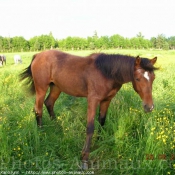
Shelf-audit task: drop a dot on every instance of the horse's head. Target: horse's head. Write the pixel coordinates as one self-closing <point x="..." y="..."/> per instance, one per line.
<point x="143" y="80"/>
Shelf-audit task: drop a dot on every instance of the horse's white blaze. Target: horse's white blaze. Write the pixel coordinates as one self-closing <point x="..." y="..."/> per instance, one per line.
<point x="146" y="75"/>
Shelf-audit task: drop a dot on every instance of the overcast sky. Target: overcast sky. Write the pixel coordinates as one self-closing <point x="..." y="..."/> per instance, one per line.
<point x="29" y="18"/>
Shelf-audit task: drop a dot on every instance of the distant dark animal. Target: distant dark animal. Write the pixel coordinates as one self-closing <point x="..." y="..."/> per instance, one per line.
<point x="17" y="59"/>
<point x="98" y="77"/>
<point x="2" y="60"/>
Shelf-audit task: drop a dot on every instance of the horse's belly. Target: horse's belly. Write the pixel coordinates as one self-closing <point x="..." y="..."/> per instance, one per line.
<point x="73" y="87"/>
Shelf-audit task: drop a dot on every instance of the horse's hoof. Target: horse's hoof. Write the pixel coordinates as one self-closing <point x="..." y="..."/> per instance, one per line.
<point x="52" y="117"/>
<point x="84" y="165"/>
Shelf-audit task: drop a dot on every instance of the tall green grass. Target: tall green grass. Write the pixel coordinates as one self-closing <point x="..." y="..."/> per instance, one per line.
<point x="131" y="141"/>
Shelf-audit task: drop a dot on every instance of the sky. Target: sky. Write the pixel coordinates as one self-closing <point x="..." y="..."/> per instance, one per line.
<point x="29" y="18"/>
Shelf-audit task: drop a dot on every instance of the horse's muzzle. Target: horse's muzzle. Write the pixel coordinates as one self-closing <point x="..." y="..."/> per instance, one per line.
<point x="148" y="108"/>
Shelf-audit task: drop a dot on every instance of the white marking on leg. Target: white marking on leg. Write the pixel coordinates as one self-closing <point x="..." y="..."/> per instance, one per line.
<point x="146" y="75"/>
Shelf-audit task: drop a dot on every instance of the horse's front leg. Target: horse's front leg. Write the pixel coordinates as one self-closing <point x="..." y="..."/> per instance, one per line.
<point x="103" y="111"/>
<point x="92" y="105"/>
<point x="102" y="114"/>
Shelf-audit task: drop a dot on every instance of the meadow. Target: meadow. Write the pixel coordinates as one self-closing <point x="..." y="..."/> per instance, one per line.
<point x="131" y="143"/>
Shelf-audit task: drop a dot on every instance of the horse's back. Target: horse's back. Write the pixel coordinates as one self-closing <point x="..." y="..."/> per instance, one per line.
<point x="68" y="72"/>
<point x="57" y="60"/>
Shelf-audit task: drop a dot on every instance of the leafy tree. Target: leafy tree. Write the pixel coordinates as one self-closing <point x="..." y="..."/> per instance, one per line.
<point x="34" y="44"/>
<point x="91" y="43"/>
<point x="171" y="42"/>
<point x="153" y="42"/>
<point x="103" y="42"/>
<point x="117" y="41"/>
<point x="20" y="44"/>
<point x="6" y="44"/>
<point x="142" y="42"/>
<point x="139" y="35"/>
<point x="53" y="41"/>
<point x="80" y="43"/>
<point x="1" y="43"/>
<point x="95" y="36"/>
<point x="165" y="45"/>
<point x="73" y="43"/>
<point x="160" y="41"/>
<point x="127" y="43"/>
<point x="69" y="43"/>
<point x="43" y="42"/>
<point x="135" y="43"/>
<point x="62" y="44"/>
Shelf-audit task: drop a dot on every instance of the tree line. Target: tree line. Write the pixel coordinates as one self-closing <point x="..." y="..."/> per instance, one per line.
<point x="43" y="42"/>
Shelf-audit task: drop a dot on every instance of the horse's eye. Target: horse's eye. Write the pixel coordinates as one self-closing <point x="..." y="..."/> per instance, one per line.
<point x="137" y="79"/>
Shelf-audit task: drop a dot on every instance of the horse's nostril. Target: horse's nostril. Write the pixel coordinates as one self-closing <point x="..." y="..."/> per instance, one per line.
<point x="152" y="107"/>
<point x="147" y="108"/>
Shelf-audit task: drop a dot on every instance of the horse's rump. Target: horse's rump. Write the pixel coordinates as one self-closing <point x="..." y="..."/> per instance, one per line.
<point x="68" y="72"/>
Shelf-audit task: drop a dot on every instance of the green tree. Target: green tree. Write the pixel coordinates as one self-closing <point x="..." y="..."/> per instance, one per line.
<point x="95" y="36"/>
<point x="69" y="43"/>
<point x="117" y="41"/>
<point x="37" y="45"/>
<point x="142" y="42"/>
<point x="127" y="43"/>
<point x="90" y="43"/>
<point x="139" y="35"/>
<point x="153" y="42"/>
<point x="165" y="45"/>
<point x="6" y="44"/>
<point x="53" y="41"/>
<point x="171" y="42"/>
<point x="1" y="43"/>
<point x="20" y="44"/>
<point x="62" y="44"/>
<point x="34" y="44"/>
<point x="135" y="43"/>
<point x="160" y="41"/>
<point x="43" y="42"/>
<point x="103" y="42"/>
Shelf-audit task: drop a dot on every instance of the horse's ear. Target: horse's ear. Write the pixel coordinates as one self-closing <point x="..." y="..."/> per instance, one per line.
<point x="153" y="61"/>
<point x="137" y="61"/>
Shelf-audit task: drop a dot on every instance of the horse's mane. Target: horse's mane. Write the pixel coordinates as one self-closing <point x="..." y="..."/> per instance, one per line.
<point x="120" y="67"/>
<point x="146" y="65"/>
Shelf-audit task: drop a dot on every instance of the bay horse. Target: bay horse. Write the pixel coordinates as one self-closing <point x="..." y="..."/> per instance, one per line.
<point x="98" y="77"/>
<point x="2" y="60"/>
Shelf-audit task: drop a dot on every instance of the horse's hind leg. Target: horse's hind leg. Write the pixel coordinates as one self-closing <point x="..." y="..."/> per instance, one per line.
<point x="50" y="100"/>
<point x="40" y="95"/>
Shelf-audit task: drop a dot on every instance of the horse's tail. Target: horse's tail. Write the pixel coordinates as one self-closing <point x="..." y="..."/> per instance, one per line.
<point x="27" y="74"/>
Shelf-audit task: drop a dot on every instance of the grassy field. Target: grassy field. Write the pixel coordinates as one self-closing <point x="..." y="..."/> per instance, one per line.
<point x="132" y="142"/>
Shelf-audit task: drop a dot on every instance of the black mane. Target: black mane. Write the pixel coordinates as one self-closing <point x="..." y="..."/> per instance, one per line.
<point x="146" y="65"/>
<point x="120" y="67"/>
